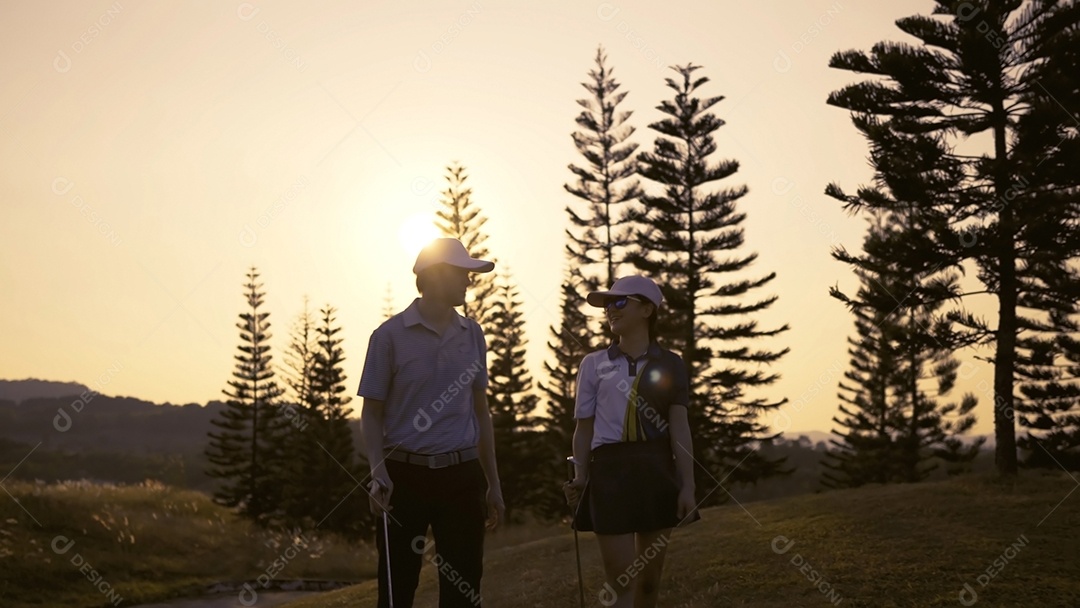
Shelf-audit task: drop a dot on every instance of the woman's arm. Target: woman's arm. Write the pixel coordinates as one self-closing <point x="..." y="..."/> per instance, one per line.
<point x="582" y="445"/>
<point x="583" y="435"/>
<point x="682" y="448"/>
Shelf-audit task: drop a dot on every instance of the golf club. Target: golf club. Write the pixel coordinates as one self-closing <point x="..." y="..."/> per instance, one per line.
<point x="570" y="474"/>
<point x="376" y="485"/>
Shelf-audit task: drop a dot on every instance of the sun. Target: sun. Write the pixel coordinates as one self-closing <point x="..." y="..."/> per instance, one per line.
<point x="416" y="231"/>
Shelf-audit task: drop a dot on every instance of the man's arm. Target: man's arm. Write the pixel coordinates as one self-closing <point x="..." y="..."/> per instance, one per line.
<point x="496" y="508"/>
<point x="371" y="426"/>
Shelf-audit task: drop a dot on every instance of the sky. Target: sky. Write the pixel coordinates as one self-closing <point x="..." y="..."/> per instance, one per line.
<point x="152" y="153"/>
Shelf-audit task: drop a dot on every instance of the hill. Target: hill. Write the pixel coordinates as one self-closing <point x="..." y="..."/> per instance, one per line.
<point x="1000" y="542"/>
<point x="20" y="390"/>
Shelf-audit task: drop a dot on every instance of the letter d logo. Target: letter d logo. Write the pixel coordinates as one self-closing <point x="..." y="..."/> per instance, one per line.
<point x="968" y="597"/>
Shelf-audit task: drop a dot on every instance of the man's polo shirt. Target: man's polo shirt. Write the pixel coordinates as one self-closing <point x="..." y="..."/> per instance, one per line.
<point x="630" y="399"/>
<point x="426" y="381"/>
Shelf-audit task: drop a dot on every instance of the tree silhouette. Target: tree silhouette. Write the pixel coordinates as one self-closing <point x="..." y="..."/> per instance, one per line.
<point x="460" y="218"/>
<point x="688" y="243"/>
<point x="894" y="428"/>
<point x="246" y="453"/>
<point x="981" y="68"/>
<point x="606" y="183"/>
<point x="512" y="401"/>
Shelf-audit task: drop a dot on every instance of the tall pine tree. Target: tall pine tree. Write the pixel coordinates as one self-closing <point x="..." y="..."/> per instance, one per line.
<point x="1048" y="349"/>
<point x="388" y="303"/>
<point x="975" y="72"/>
<point x="512" y="402"/>
<point x="570" y="341"/>
<point x="460" y="218"/>
<point x="338" y="506"/>
<point x="246" y="452"/>
<point x="600" y="233"/>
<point x="606" y="183"/>
<point x="689" y="244"/>
<point x="896" y="431"/>
<point x="301" y="411"/>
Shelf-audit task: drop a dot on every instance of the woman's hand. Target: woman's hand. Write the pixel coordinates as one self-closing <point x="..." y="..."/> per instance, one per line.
<point x="573" y="489"/>
<point x="686" y="503"/>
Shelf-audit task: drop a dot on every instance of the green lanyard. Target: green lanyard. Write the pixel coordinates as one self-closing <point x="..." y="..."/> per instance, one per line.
<point x="632" y="430"/>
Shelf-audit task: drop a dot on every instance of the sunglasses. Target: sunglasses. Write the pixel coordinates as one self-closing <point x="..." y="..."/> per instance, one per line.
<point x="620" y="302"/>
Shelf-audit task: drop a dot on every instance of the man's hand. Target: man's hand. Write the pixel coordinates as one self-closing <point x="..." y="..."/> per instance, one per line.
<point x="573" y="489"/>
<point x="379" y="491"/>
<point x="496" y="509"/>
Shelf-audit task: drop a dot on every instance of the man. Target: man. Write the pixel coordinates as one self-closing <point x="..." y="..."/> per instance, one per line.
<point x="429" y="436"/>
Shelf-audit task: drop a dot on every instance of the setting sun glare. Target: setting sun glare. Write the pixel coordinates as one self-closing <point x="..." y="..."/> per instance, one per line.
<point x="416" y="231"/>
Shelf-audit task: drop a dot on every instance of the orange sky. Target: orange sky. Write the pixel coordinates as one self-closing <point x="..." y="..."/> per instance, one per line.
<point x="152" y="153"/>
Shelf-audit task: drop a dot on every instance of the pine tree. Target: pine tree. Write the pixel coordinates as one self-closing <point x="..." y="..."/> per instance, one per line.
<point x="570" y="341"/>
<point x="512" y="402"/>
<point x="975" y="72"/>
<point x="246" y="452"/>
<point x="334" y="475"/>
<point x="1049" y="402"/>
<point x="388" y="303"/>
<point x="1048" y="351"/>
<point x="461" y="219"/>
<point x="321" y="468"/>
<point x="302" y="412"/>
<point x="601" y="232"/>
<point x="864" y="451"/>
<point x="896" y="431"/>
<point x="687" y="230"/>
<point x="606" y="184"/>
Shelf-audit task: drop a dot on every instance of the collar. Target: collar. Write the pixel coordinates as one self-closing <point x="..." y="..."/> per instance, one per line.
<point x="613" y="351"/>
<point x="411" y="316"/>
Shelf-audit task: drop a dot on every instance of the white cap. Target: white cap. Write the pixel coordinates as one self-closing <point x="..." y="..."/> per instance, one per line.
<point x="452" y="252"/>
<point x="633" y="285"/>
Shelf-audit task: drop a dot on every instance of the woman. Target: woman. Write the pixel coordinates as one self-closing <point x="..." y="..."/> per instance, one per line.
<point x="634" y="476"/>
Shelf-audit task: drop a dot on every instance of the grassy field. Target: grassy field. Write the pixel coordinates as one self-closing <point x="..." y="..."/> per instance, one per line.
<point x="88" y="545"/>
<point x="1013" y="543"/>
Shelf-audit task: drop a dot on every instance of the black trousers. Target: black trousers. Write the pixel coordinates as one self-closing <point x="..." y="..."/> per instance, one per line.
<point x="452" y="500"/>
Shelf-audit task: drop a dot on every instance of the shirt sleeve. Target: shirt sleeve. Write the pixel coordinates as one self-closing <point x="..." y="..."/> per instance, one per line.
<point x="480" y="381"/>
<point x="378" y="367"/>
<point x="585" y="400"/>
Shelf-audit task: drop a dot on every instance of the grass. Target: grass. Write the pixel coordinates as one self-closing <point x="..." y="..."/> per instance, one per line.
<point x="885" y="546"/>
<point x="143" y="543"/>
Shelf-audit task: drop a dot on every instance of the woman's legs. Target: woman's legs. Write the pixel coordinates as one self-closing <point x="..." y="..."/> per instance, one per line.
<point x="633" y="565"/>
<point x="618" y="552"/>
<point x="651" y="549"/>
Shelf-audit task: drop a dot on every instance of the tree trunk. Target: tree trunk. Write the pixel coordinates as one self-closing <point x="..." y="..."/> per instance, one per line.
<point x="1005" y="355"/>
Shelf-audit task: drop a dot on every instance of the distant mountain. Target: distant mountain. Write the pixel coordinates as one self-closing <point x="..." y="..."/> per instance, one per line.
<point x="21" y="390"/>
<point x="813" y="436"/>
<point x="108" y="438"/>
<point x="816" y="436"/>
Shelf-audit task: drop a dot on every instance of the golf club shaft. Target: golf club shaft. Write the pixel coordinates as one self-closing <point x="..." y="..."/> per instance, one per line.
<point x="571" y="474"/>
<point x="386" y="544"/>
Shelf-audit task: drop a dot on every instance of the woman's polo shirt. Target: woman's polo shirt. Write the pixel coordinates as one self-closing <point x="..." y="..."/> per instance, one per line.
<point x="630" y="399"/>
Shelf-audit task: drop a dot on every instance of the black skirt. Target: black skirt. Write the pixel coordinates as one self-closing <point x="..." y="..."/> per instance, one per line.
<point x="632" y="487"/>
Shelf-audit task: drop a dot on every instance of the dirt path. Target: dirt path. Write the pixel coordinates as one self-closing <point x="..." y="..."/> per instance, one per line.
<point x="232" y="600"/>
